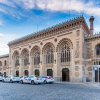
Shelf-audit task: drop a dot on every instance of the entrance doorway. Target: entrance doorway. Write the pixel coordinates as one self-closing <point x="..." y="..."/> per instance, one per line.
<point x="37" y="72"/>
<point x="26" y="72"/>
<point x="65" y="74"/>
<point x="17" y="73"/>
<point x="49" y="72"/>
<point x="96" y="76"/>
<point x="4" y="74"/>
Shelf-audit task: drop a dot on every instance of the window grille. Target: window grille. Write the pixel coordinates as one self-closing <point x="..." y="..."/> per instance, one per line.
<point x="98" y="50"/>
<point x="16" y="60"/>
<point x="36" y="58"/>
<point x="65" y="53"/>
<point x="26" y="59"/>
<point x="5" y="62"/>
<point x="49" y="55"/>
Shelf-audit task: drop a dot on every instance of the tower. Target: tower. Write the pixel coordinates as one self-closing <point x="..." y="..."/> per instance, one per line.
<point x="91" y="24"/>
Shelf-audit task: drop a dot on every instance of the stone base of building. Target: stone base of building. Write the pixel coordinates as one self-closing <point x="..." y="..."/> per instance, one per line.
<point x="72" y="79"/>
<point x="57" y="78"/>
<point x="75" y="79"/>
<point x="89" y="79"/>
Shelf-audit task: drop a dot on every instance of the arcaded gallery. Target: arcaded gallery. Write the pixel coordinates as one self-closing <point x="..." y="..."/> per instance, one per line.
<point x="67" y="51"/>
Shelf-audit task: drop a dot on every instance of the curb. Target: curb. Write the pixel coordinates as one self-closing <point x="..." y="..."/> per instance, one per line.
<point x="78" y="84"/>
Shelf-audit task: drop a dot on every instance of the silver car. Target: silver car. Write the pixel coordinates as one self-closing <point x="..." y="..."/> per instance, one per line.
<point x="11" y="78"/>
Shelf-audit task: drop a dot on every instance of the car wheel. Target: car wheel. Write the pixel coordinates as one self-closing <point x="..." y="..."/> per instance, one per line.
<point x="21" y="82"/>
<point x="3" y="81"/>
<point x="45" y="82"/>
<point x="32" y="82"/>
<point x="17" y="81"/>
<point x="11" y="81"/>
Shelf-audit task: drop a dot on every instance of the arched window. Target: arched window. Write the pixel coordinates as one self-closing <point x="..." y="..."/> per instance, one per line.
<point x="98" y="50"/>
<point x="36" y="58"/>
<point x="26" y="72"/>
<point x="17" y="73"/>
<point x="0" y="63"/>
<point x="65" y="53"/>
<point x="26" y="59"/>
<point x="5" y="62"/>
<point x="16" y="60"/>
<point x="49" y="72"/>
<point x="37" y="72"/>
<point x="49" y="55"/>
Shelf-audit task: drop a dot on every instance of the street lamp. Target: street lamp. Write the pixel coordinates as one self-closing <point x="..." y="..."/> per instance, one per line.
<point x="18" y="65"/>
<point x="55" y="61"/>
<point x="28" y="64"/>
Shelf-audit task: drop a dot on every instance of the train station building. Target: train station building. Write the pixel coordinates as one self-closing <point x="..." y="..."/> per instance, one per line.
<point x="66" y="51"/>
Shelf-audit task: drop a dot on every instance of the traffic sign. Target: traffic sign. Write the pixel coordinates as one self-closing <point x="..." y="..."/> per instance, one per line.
<point x="95" y="68"/>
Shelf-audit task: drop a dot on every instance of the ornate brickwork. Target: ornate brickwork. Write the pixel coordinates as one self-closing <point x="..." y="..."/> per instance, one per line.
<point x="77" y="33"/>
<point x="89" y="51"/>
<point x="89" y="74"/>
<point x="77" y="74"/>
<point x="77" y="50"/>
<point x="76" y="68"/>
<point x="89" y="68"/>
<point x="77" y="62"/>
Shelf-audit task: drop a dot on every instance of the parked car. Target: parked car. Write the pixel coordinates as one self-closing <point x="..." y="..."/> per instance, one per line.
<point x="1" y="78"/>
<point x="33" y="79"/>
<point x="47" y="79"/>
<point x="11" y="78"/>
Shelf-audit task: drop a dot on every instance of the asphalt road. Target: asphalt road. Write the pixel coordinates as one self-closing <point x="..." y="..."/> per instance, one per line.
<point x="17" y="91"/>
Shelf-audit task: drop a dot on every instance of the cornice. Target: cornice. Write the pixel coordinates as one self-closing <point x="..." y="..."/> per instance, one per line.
<point x="89" y="38"/>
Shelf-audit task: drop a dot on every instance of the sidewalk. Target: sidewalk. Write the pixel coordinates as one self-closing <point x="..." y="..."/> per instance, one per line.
<point x="81" y="83"/>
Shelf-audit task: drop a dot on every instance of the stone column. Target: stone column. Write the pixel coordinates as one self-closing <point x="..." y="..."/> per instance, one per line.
<point x="42" y="72"/>
<point x="12" y="68"/>
<point x="30" y="66"/>
<point x="55" y="65"/>
<point x="72" y="67"/>
<point x="21" y="66"/>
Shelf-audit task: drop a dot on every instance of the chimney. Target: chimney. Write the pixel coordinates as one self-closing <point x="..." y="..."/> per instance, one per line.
<point x="91" y="24"/>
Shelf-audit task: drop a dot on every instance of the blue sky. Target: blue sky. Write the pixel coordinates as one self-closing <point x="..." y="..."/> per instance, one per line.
<point x="21" y="17"/>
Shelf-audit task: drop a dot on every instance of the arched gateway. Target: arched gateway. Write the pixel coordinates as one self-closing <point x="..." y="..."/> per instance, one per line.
<point x="65" y="74"/>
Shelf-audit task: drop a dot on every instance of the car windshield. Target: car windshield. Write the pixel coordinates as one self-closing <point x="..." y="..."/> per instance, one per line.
<point x="21" y="77"/>
<point x="44" y="77"/>
<point x="37" y="76"/>
<point x="14" y="76"/>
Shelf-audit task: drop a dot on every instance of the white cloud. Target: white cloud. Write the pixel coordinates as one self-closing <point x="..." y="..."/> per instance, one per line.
<point x="26" y="4"/>
<point x="1" y="23"/>
<point x="1" y="35"/>
<point x="4" y="39"/>
<point x="69" y="5"/>
<point x="79" y="6"/>
<point x="7" y="2"/>
<point x="97" y="29"/>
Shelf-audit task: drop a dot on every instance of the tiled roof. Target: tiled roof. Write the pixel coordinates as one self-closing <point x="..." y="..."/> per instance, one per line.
<point x="4" y="55"/>
<point x="73" y="19"/>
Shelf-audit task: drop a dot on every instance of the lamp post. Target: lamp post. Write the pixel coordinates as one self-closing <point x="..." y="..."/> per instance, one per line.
<point x="28" y="64"/>
<point x="55" y="61"/>
<point x="18" y="65"/>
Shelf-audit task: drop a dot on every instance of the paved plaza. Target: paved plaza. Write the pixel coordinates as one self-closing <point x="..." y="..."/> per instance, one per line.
<point x="17" y="91"/>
